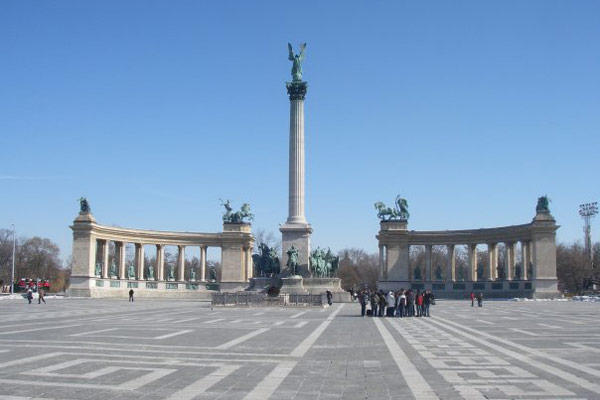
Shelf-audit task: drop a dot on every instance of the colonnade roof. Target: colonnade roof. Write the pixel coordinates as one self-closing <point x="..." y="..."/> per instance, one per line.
<point x="165" y="238"/>
<point x="502" y="234"/>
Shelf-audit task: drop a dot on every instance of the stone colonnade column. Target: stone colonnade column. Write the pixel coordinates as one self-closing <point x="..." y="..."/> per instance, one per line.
<point x="491" y="257"/>
<point x="524" y="259"/>
<point x="122" y="260"/>
<point x="510" y="260"/>
<point x="472" y="249"/>
<point x="181" y="263"/>
<point x="203" y="263"/>
<point x="105" y="248"/>
<point x="451" y="265"/>
<point x="139" y="260"/>
<point x="381" y="261"/>
<point x="160" y="262"/>
<point x="428" y="276"/>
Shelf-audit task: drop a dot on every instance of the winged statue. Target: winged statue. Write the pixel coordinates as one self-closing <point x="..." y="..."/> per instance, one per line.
<point x="297" y="62"/>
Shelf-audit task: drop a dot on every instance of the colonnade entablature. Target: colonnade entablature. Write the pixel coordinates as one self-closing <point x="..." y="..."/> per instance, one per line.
<point x="527" y="253"/>
<point x="100" y="255"/>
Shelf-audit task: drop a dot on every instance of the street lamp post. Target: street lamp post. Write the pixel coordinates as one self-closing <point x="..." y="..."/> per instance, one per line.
<point x="12" y="275"/>
<point x="587" y="212"/>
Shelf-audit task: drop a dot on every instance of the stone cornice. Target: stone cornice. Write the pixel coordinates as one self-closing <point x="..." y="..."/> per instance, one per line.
<point x="503" y="234"/>
<point x="165" y="238"/>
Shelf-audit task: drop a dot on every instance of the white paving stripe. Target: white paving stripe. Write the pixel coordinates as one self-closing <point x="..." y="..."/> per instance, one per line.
<point x="271" y="382"/>
<point x="93" y="332"/>
<point x="212" y="321"/>
<point x="203" y="384"/>
<point x="415" y="381"/>
<point x="39" y="329"/>
<point x="560" y="373"/>
<point x="300" y="324"/>
<point x="484" y="322"/>
<point x="307" y="343"/>
<point x="241" y="339"/>
<point x="524" y="332"/>
<point x="170" y="335"/>
<point x="298" y="314"/>
<point x="28" y="360"/>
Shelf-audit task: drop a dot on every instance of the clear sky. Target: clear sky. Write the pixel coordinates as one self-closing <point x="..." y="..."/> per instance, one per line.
<point x="154" y="110"/>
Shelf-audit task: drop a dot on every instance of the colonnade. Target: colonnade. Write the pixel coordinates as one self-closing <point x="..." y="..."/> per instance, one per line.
<point x="471" y="272"/>
<point x="92" y="256"/>
<point x="536" y="242"/>
<point x="160" y="274"/>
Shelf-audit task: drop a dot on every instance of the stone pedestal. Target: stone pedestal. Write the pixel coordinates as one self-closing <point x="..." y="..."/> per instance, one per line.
<point x="297" y="235"/>
<point x="293" y="285"/>
<point x="321" y="285"/>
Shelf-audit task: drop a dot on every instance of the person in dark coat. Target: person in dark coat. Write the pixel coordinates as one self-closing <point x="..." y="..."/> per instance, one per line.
<point x="480" y="299"/>
<point x="364" y="299"/>
<point x="130" y="294"/>
<point x="329" y="296"/>
<point x="374" y="304"/>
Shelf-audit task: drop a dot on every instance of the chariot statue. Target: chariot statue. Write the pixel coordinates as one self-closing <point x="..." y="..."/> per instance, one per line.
<point x="292" y="262"/>
<point x="398" y="213"/>
<point x="543" y="205"/>
<point x="239" y="217"/>
<point x="296" y="60"/>
<point x="323" y="264"/>
<point x="84" y="206"/>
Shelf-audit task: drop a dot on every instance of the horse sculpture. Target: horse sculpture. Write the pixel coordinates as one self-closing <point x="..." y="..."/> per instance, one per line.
<point x="238" y="217"/>
<point x="399" y="212"/>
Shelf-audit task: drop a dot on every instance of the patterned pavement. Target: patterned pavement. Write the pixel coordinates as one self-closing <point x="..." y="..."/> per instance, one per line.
<point x="151" y="349"/>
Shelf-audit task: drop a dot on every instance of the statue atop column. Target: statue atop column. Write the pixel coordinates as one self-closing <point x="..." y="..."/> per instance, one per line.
<point x="398" y="213"/>
<point x="84" y="206"/>
<point x="243" y="216"/>
<point x="296" y="60"/>
<point x="543" y="205"/>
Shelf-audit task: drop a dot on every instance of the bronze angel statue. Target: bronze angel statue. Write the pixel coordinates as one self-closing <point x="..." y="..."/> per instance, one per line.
<point x="297" y="62"/>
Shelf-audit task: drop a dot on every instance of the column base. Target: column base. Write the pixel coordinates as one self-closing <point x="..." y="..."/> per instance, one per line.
<point x="297" y="235"/>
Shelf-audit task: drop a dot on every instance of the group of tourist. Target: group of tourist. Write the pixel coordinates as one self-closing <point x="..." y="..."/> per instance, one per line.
<point x="403" y="303"/>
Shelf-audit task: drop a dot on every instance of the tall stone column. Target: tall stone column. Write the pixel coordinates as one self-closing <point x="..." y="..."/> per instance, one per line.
<point x="451" y="267"/>
<point x="428" y="265"/>
<point x="473" y="262"/>
<point x="491" y="260"/>
<point x="181" y="264"/>
<point x="160" y="262"/>
<point x="296" y="230"/>
<point x="524" y="259"/>
<point x="105" y="248"/>
<point x="122" y="259"/>
<point x="139" y="259"/>
<point x="510" y="260"/>
<point x="203" y="263"/>
<point x="541" y="252"/>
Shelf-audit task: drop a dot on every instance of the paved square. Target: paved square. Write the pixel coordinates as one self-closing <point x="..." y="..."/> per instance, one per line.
<point x="150" y="349"/>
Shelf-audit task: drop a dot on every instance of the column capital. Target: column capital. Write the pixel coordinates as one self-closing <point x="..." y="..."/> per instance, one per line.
<point x="296" y="90"/>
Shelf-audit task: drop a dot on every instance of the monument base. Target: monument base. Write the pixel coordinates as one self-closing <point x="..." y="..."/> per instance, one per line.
<point x="321" y="285"/>
<point x="546" y="289"/>
<point x="297" y="235"/>
<point x="260" y="284"/>
<point x="293" y="285"/>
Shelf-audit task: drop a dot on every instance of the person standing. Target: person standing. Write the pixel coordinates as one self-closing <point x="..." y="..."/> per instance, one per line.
<point x="41" y="296"/>
<point x="472" y="299"/>
<point x="131" y="295"/>
<point x="402" y="304"/>
<point x="329" y="296"/>
<point x="480" y="299"/>
<point x="364" y="299"/>
<point x="419" y="302"/>
<point x="29" y="295"/>
<point x="374" y="303"/>
<point x="391" y="304"/>
<point x="382" y="303"/>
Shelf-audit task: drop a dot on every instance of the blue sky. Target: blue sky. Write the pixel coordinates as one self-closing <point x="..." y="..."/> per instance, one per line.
<point x="155" y="110"/>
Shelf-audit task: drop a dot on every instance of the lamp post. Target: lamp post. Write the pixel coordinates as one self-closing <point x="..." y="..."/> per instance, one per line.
<point x="587" y="212"/>
<point x="12" y="275"/>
